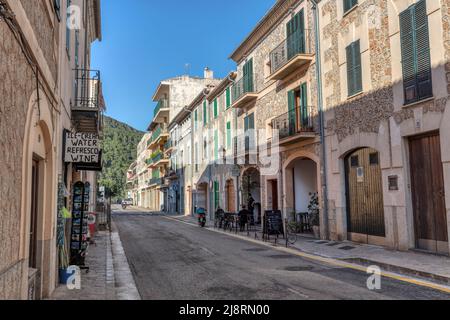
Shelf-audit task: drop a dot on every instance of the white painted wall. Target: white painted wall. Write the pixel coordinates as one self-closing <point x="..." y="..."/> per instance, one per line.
<point x="305" y="179"/>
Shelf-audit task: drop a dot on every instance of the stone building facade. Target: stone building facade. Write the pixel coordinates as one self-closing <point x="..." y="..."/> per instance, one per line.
<point x="32" y="118"/>
<point x="283" y="107"/>
<point x="380" y="120"/>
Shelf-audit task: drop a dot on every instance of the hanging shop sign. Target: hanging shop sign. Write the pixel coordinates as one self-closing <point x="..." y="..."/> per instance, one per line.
<point x="82" y="148"/>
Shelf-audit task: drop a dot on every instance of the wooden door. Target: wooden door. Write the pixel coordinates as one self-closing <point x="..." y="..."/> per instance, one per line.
<point x="365" y="211"/>
<point x="34" y="214"/>
<point x="428" y="194"/>
<point x="274" y="194"/>
<point x="231" y="198"/>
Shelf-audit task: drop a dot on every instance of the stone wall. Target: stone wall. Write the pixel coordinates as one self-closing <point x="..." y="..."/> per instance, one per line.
<point x="16" y="88"/>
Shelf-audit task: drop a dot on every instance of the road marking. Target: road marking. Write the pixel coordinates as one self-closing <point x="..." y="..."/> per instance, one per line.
<point x="329" y="261"/>
<point x="298" y="293"/>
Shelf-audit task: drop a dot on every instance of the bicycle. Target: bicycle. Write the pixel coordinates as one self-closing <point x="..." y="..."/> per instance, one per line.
<point x="291" y="233"/>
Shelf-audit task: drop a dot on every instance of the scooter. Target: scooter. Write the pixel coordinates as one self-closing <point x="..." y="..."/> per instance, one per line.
<point x="201" y="213"/>
<point x="124" y="206"/>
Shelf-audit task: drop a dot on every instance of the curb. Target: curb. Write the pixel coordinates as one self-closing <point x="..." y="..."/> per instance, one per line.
<point x="399" y="269"/>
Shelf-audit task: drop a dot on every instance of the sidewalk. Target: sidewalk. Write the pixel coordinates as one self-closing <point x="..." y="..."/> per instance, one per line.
<point x="411" y="263"/>
<point x="98" y="283"/>
<point x="109" y="277"/>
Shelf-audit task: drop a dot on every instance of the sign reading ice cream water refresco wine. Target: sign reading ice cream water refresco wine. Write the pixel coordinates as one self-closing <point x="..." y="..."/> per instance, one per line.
<point x="82" y="147"/>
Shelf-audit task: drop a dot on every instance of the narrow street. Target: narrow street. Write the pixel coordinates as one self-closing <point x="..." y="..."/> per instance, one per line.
<point x="174" y="260"/>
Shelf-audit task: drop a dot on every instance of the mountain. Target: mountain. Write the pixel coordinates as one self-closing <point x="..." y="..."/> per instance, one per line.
<point x="119" y="151"/>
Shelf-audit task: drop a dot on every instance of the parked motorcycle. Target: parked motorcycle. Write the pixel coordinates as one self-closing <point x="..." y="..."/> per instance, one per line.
<point x="124" y="206"/>
<point x="201" y="214"/>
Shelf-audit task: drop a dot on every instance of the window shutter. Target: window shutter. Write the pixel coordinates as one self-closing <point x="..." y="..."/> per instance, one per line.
<point x="354" y="71"/>
<point x="228" y="135"/>
<point x="292" y="114"/>
<point x="416" y="61"/>
<point x="216" y="111"/>
<point x="424" y="85"/>
<point x="228" y="98"/>
<point x="248" y="76"/>
<point x="216" y="145"/>
<point x="304" y="105"/>
<point x="57" y="7"/>
<point x="408" y="55"/>
<point x="348" y="4"/>
<point x="205" y="113"/>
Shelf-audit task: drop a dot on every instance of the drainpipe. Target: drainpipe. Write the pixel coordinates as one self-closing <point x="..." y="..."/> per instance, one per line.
<point x="238" y="200"/>
<point x="321" y="119"/>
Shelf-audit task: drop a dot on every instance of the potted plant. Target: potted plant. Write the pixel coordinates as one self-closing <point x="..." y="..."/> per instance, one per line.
<point x="313" y="212"/>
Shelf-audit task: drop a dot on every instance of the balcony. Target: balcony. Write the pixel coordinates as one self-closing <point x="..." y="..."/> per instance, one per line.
<point x="88" y="103"/>
<point x="244" y="91"/>
<point x="160" y="134"/>
<point x="296" y="125"/>
<point x="168" y="146"/>
<point x="161" y="111"/>
<point x="291" y="55"/>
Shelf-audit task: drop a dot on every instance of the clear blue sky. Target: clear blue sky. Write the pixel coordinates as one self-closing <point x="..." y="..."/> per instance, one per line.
<point x="145" y="41"/>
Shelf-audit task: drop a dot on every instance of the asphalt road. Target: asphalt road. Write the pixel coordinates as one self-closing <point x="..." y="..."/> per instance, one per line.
<point x="172" y="260"/>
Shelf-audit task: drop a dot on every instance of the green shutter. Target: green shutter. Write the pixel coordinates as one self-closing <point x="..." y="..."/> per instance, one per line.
<point x="216" y="109"/>
<point x="248" y="76"/>
<point x="228" y="135"/>
<point x="292" y="113"/>
<point x="228" y="97"/>
<point x="205" y="113"/>
<point x="354" y="71"/>
<point x="416" y="61"/>
<point x="295" y="35"/>
<point x="304" y="105"/>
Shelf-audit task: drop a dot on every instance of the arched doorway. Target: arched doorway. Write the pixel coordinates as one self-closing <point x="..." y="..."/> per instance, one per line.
<point x="364" y="190"/>
<point x="230" y="196"/>
<point x="251" y="189"/>
<point x="301" y="188"/>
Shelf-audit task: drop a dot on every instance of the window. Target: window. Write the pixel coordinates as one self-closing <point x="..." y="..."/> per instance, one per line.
<point x="216" y="145"/>
<point x="216" y="194"/>
<point x="295" y="35"/>
<point x="196" y="157"/>
<point x="205" y="113"/>
<point x="77" y="47"/>
<point x="248" y="76"/>
<point x="195" y="119"/>
<point x="69" y="2"/>
<point x="216" y="109"/>
<point x="415" y="45"/>
<point x="354" y="161"/>
<point x="348" y="4"/>
<point x="373" y="159"/>
<point x="354" y="71"/>
<point x="228" y="135"/>
<point x="228" y="98"/>
<point x="249" y="126"/>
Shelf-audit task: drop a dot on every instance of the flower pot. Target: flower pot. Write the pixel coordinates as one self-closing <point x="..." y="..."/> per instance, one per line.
<point x="316" y="230"/>
<point x="64" y="275"/>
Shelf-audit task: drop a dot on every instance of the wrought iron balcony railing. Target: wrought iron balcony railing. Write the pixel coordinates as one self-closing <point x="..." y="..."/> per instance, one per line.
<point x="298" y="43"/>
<point x="162" y="104"/>
<point x="246" y="84"/>
<point x="297" y="121"/>
<point x="87" y="89"/>
<point x="161" y="129"/>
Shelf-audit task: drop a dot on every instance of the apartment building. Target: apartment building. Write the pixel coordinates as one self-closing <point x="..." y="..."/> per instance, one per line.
<point x="386" y="97"/>
<point x="40" y="102"/>
<point x="172" y="96"/>
<point x="277" y="107"/>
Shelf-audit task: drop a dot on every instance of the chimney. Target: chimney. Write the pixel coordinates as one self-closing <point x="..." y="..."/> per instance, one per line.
<point x="209" y="74"/>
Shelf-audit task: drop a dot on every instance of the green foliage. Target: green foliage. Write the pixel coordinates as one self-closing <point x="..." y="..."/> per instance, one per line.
<point x="119" y="151"/>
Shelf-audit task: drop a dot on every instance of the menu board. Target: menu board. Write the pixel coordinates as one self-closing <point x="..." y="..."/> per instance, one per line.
<point x="273" y="223"/>
<point x="79" y="234"/>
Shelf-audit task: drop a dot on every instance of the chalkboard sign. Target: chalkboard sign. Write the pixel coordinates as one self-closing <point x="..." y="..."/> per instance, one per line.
<point x="273" y="223"/>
